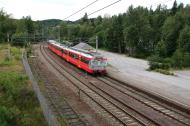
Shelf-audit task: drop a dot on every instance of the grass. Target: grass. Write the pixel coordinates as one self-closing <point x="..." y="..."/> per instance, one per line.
<point x="18" y="103"/>
<point x="5" y="62"/>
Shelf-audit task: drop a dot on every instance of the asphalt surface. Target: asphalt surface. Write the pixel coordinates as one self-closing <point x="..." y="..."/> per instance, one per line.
<point x="133" y="71"/>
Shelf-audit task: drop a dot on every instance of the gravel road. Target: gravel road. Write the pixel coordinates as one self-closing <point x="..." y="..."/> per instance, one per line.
<point x="133" y="71"/>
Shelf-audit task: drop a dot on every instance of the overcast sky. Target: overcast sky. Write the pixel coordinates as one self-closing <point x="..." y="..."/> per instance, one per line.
<point x="60" y="9"/>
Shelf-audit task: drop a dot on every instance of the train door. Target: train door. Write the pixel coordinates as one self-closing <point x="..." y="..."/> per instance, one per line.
<point x="68" y="56"/>
<point x="79" y="61"/>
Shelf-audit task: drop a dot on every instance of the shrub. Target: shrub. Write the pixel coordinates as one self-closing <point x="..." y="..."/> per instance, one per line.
<point x="166" y="72"/>
<point x="6" y="116"/>
<point x="156" y="62"/>
<point x="10" y="83"/>
<point x="15" y="51"/>
<point x="156" y="65"/>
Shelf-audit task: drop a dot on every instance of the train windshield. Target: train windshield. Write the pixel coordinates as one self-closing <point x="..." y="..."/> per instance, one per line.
<point x="99" y="62"/>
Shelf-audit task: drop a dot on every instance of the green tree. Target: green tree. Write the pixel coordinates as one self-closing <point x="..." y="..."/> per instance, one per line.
<point x="137" y="21"/>
<point x="7" y="26"/>
<point x="160" y="49"/>
<point x="29" y="24"/>
<point x="84" y="18"/>
<point x="115" y="34"/>
<point x="170" y="33"/>
<point x="174" y="8"/>
<point x="184" y="39"/>
<point x="157" y="19"/>
<point x="131" y="39"/>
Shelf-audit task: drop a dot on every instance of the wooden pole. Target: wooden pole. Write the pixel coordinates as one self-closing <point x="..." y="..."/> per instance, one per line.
<point x="96" y="43"/>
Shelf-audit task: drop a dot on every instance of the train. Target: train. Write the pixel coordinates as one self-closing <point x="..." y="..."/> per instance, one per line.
<point x="88" y="60"/>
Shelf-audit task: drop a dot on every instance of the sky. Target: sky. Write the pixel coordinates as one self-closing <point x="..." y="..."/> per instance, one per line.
<point x="60" y="9"/>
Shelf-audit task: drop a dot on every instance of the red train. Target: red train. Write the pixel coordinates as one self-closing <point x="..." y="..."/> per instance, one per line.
<point x="90" y="61"/>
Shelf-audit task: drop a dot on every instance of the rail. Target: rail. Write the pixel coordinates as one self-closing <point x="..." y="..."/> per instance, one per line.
<point x="47" y="112"/>
<point x="85" y="92"/>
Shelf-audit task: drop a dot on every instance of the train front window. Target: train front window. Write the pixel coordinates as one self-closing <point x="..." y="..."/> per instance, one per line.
<point x="98" y="63"/>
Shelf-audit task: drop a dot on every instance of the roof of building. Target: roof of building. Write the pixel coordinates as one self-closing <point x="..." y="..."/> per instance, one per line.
<point x="83" y="46"/>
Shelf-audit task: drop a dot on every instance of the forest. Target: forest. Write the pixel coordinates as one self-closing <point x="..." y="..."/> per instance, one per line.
<point x="161" y="35"/>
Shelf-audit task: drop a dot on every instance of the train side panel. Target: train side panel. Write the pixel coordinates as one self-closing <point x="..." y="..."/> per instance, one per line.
<point x="82" y="64"/>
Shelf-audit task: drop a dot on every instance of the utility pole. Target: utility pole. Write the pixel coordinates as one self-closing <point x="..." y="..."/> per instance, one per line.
<point x="42" y="34"/>
<point x="8" y="37"/>
<point x="59" y="28"/>
<point x="96" y="43"/>
<point x="34" y="37"/>
<point x="9" y="48"/>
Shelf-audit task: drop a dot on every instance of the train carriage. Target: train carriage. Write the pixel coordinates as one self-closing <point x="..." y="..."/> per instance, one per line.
<point x="89" y="61"/>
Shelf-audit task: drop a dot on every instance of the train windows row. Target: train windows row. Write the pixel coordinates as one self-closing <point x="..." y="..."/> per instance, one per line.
<point x="57" y="48"/>
<point x="75" y="56"/>
<point x="84" y="60"/>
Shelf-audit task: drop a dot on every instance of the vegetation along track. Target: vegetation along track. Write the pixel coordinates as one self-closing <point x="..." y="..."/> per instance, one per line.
<point x="66" y="115"/>
<point x="133" y="102"/>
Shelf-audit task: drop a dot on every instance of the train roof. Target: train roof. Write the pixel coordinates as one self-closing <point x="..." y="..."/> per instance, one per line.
<point x="90" y="52"/>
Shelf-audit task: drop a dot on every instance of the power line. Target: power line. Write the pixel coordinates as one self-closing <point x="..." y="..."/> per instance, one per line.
<point x="104" y="7"/>
<point x="81" y="9"/>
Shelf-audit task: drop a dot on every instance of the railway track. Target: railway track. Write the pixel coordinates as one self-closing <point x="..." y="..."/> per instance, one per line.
<point x="66" y="115"/>
<point x="175" y="114"/>
<point x="139" y="109"/>
<point x="116" y="113"/>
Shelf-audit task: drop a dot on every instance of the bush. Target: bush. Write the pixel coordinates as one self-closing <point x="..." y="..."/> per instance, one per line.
<point x="11" y="83"/>
<point x="22" y="107"/>
<point x="6" y="116"/>
<point x="166" y="72"/>
<point x="156" y="62"/>
<point x="15" y="51"/>
<point x="156" y="65"/>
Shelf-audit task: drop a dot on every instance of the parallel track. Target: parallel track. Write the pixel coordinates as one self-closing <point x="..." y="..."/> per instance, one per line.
<point x="152" y="103"/>
<point x="60" y="106"/>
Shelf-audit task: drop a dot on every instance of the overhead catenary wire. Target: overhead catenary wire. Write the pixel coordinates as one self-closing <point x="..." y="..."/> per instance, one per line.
<point x="81" y="9"/>
<point x="119" y="1"/>
<point x="104" y="7"/>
